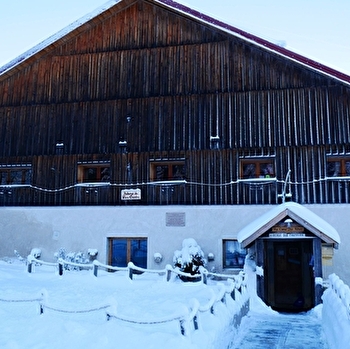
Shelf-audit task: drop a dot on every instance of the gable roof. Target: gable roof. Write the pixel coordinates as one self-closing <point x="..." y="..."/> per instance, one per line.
<point x="299" y="214"/>
<point x="194" y="14"/>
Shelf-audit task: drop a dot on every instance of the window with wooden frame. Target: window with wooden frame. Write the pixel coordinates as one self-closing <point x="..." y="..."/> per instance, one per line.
<point x="167" y="170"/>
<point x="15" y="175"/>
<point x="94" y="172"/>
<point x="257" y="168"/>
<point x="338" y="166"/>
<point x="233" y="254"/>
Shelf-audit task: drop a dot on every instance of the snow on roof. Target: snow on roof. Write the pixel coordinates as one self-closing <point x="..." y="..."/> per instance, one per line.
<point x="53" y="38"/>
<point x="278" y="49"/>
<point x="299" y="213"/>
<point x="198" y="16"/>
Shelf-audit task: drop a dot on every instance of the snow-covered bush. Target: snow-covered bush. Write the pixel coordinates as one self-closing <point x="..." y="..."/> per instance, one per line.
<point x="74" y="257"/>
<point x="189" y="259"/>
<point x="20" y="258"/>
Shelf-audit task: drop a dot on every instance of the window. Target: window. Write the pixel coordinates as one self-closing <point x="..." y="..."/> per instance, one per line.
<point x="125" y="250"/>
<point x="233" y="254"/>
<point x="338" y="167"/>
<point x="257" y="168"/>
<point x="167" y="170"/>
<point x="15" y="175"/>
<point x="92" y="173"/>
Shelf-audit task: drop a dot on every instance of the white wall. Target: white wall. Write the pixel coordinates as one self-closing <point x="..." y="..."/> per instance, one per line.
<point x="80" y="228"/>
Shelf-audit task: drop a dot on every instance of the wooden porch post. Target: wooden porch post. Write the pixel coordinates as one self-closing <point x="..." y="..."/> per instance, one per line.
<point x="317" y="251"/>
<point x="259" y="248"/>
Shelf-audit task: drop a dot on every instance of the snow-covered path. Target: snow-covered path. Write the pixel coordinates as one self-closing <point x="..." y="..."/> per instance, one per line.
<point x="277" y="331"/>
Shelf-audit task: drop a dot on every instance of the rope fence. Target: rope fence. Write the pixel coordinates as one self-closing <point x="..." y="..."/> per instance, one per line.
<point x="188" y="317"/>
<point x="251" y="181"/>
<point x="132" y="268"/>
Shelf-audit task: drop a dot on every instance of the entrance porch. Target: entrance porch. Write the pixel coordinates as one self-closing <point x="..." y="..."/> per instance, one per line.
<point x="287" y="243"/>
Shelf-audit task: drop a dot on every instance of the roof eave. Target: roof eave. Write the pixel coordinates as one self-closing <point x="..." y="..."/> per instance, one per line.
<point x="282" y="51"/>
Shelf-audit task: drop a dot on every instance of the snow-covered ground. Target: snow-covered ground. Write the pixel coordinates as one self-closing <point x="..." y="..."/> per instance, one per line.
<point x="75" y="307"/>
<point x="146" y="298"/>
<point x="336" y="313"/>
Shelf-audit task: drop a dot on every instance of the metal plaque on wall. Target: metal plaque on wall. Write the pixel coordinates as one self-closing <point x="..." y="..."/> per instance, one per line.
<point x="175" y="219"/>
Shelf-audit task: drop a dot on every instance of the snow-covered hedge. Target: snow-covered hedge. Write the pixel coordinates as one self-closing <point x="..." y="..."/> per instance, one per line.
<point x="336" y="313"/>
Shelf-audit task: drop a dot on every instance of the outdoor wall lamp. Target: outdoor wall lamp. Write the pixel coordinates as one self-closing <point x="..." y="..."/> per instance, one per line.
<point x="122" y="146"/>
<point x="214" y="142"/>
<point x="157" y="257"/>
<point x="211" y="257"/>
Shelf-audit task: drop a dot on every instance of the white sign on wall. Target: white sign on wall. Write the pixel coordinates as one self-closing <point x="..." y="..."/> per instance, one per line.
<point x="286" y="235"/>
<point x="130" y="194"/>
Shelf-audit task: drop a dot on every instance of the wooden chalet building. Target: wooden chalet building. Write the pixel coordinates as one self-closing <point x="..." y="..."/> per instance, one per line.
<point x="148" y="122"/>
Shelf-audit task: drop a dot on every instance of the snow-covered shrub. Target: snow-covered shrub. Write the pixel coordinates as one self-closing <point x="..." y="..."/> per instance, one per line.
<point x="20" y="258"/>
<point x="74" y="257"/>
<point x="189" y="259"/>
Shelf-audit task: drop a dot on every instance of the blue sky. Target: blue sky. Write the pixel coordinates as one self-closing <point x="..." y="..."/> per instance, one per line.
<point x="315" y="28"/>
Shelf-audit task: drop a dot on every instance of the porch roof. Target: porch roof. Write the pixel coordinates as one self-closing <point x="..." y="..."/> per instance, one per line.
<point x="300" y="214"/>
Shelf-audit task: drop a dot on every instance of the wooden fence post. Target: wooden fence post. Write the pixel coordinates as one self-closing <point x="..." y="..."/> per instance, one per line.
<point x="60" y="268"/>
<point x="182" y="327"/>
<point x="168" y="275"/>
<point x="233" y="293"/>
<point x="43" y="298"/>
<point x="95" y="269"/>
<point x="29" y="267"/>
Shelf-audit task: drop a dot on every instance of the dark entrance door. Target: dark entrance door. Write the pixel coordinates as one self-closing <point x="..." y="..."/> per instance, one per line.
<point x="290" y="282"/>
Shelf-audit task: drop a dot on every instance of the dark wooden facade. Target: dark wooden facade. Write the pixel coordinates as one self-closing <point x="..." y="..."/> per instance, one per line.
<point x="142" y="83"/>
